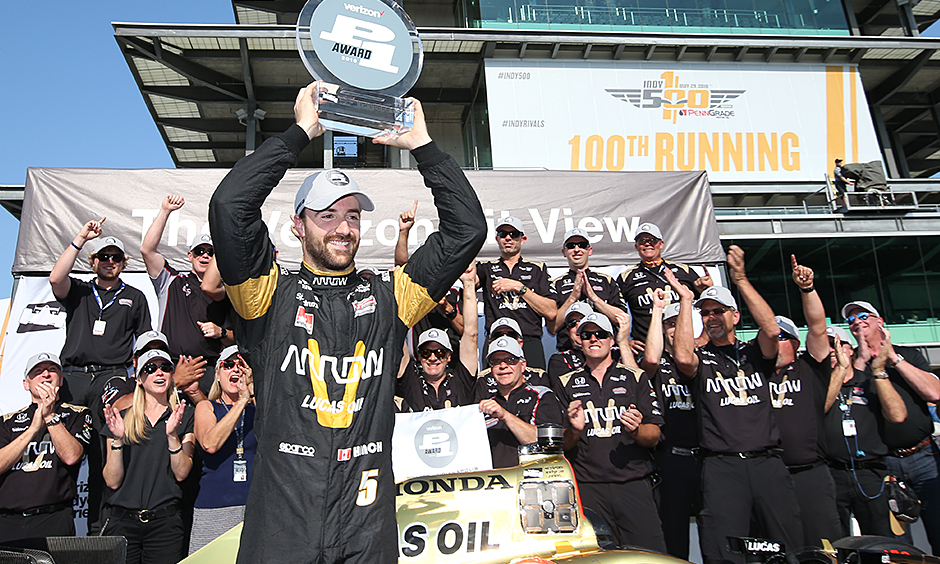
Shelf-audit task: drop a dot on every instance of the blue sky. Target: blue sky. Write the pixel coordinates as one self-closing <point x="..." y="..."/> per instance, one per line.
<point x="68" y="98"/>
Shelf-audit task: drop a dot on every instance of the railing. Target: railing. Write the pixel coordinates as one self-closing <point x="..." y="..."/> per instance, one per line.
<point x="648" y="17"/>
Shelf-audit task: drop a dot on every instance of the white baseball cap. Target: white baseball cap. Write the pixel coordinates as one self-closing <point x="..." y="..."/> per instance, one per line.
<point x="576" y="232"/>
<point x="320" y="190"/>
<point x="720" y="294"/>
<point x="228" y="352"/>
<point x="506" y="322"/>
<point x="201" y="239"/>
<point x="436" y="336"/>
<point x="650" y="229"/>
<point x="859" y="305"/>
<point x="151" y="355"/>
<point x="38" y="359"/>
<point x="505" y="344"/>
<point x="787" y="326"/>
<point x="579" y="307"/>
<point x="598" y="319"/>
<point x="513" y="222"/>
<point x="832" y="331"/>
<point x="103" y="242"/>
<point x="149" y="337"/>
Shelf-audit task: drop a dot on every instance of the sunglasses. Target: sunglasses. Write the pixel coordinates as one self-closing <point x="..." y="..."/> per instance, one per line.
<point x="577" y="244"/>
<point x="199" y="251"/>
<point x="510" y="334"/>
<point x="599" y="333"/>
<point x="647" y="241"/>
<point x="509" y="360"/>
<point x="786" y="337"/>
<point x="513" y="234"/>
<point x="112" y="257"/>
<point x="230" y="363"/>
<point x="152" y="367"/>
<point x="717" y="311"/>
<point x="863" y="316"/>
<point x="573" y="323"/>
<point x="428" y="353"/>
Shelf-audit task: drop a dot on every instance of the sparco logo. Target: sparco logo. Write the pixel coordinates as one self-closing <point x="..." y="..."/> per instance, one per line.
<point x="300" y="450"/>
<point x="676" y="98"/>
<point x="363" y="10"/>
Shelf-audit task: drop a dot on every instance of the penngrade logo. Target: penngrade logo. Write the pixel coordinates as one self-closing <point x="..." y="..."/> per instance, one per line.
<point x="677" y="98"/>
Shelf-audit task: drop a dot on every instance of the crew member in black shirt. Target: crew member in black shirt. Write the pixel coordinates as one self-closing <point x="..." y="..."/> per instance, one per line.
<point x="856" y="412"/>
<point x="563" y="362"/>
<point x="913" y="457"/>
<point x="103" y="317"/>
<point x="677" y="454"/>
<point x="41" y="446"/>
<point x="614" y="421"/>
<point x="742" y="474"/>
<point x="433" y="384"/>
<point x="637" y="282"/>
<point x="486" y="384"/>
<point x="517" y="288"/>
<point x="194" y="323"/>
<point x="517" y="407"/>
<point x="581" y="284"/>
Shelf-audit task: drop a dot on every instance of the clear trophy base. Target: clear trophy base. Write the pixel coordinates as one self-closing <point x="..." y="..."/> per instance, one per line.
<point x="361" y="112"/>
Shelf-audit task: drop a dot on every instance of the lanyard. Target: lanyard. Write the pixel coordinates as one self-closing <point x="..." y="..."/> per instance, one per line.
<point x="239" y="432"/>
<point x="94" y="289"/>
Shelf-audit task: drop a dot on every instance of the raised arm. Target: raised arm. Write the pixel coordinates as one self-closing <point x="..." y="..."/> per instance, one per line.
<point x="59" y="276"/>
<point x="405" y="222"/>
<point x="760" y="310"/>
<point x="148" y="247"/>
<point x="817" y="342"/>
<point x="212" y="282"/>
<point x="684" y="339"/>
<point x="471" y="327"/>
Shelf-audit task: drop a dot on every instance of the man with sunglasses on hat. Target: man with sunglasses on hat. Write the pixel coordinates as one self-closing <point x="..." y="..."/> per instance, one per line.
<point x="193" y="322"/>
<point x="581" y="284"/>
<point x="325" y="344"/>
<point x="913" y="457"/>
<point x="436" y="382"/>
<point x="517" y="407"/>
<point x="798" y="389"/>
<point x="41" y="447"/>
<point x="743" y="476"/>
<point x="517" y="288"/>
<point x="639" y="281"/>
<point x="613" y="423"/>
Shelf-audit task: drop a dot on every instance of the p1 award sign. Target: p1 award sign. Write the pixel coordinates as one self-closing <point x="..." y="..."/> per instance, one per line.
<point x="367" y="54"/>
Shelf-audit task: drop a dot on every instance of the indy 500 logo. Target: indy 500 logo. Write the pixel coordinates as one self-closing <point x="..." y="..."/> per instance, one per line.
<point x="679" y="99"/>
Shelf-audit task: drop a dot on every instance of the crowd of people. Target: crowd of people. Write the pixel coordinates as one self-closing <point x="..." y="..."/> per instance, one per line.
<point x="668" y="416"/>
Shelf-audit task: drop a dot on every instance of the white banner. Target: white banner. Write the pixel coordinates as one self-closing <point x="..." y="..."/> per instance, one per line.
<point x="444" y="441"/>
<point x="744" y="121"/>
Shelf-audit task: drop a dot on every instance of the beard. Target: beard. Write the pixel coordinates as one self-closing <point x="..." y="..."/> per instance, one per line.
<point x="329" y="258"/>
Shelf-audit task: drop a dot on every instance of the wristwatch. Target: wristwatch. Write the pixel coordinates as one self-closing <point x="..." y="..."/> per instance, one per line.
<point x="896" y="362"/>
<point x="224" y="333"/>
<point x="523" y="290"/>
<point x="54" y="420"/>
<point x="880" y="376"/>
<point x="452" y="314"/>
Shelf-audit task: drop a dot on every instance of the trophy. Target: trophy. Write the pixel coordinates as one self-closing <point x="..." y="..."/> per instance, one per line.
<point x="366" y="55"/>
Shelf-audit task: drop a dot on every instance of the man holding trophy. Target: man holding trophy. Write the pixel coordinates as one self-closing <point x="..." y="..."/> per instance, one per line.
<point x="325" y="343"/>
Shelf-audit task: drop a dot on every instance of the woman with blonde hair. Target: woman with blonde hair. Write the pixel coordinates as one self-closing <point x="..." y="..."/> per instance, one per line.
<point x="150" y="450"/>
<point x="225" y="432"/>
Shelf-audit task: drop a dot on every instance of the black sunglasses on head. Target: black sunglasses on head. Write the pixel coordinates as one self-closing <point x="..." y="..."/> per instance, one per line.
<point x="152" y="367"/>
<point x="112" y="257"/>
<point x="578" y="244"/>
<point x="199" y="251"/>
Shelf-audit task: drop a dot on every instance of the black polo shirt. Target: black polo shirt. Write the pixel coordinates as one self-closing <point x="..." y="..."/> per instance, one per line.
<point x="456" y="389"/>
<point x="605" y="451"/>
<point x="918" y="425"/>
<point x="603" y="285"/>
<point x="536" y="405"/>
<point x="182" y="304"/>
<point x="486" y="386"/>
<point x="40" y="478"/>
<point x="127" y="316"/>
<point x="858" y="401"/>
<point x="735" y="414"/>
<point x="533" y="275"/>
<point x="148" y="478"/>
<point x="798" y="394"/>
<point x="680" y="428"/>
<point x="637" y="284"/>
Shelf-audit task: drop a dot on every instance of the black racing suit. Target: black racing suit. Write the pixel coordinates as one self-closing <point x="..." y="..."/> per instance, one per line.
<point x="325" y="349"/>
